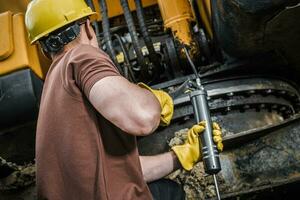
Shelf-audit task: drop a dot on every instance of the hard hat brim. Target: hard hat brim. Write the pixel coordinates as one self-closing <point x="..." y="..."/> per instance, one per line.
<point x="92" y="16"/>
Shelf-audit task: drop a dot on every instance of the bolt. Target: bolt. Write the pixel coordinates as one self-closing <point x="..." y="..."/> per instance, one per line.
<point x="269" y="91"/>
<point x="186" y="118"/>
<point x="230" y="94"/>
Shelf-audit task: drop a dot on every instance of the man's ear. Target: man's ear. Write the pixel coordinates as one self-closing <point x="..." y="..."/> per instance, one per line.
<point x="89" y="29"/>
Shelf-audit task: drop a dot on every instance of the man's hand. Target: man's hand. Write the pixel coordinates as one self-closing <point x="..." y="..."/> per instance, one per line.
<point x="189" y="153"/>
<point x="166" y="103"/>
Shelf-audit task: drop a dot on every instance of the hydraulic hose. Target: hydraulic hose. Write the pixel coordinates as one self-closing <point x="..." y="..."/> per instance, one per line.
<point x="95" y="24"/>
<point x="202" y="12"/>
<point x="106" y="34"/>
<point x="134" y="38"/>
<point x="126" y="59"/>
<point x="148" y="41"/>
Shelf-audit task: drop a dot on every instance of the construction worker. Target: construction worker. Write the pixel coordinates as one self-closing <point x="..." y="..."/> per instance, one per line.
<point x="90" y="117"/>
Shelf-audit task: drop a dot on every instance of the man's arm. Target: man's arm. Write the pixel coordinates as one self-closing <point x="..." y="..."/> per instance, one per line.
<point x="185" y="155"/>
<point x="158" y="166"/>
<point x="133" y="109"/>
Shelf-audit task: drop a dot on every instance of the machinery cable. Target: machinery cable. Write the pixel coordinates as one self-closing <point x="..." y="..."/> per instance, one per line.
<point x="148" y="41"/>
<point x="106" y="34"/>
<point x="134" y="37"/>
<point x="95" y="24"/>
<point x="126" y="58"/>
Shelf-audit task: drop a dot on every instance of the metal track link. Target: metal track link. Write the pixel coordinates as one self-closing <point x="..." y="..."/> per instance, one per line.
<point x="238" y="105"/>
<point x="242" y="95"/>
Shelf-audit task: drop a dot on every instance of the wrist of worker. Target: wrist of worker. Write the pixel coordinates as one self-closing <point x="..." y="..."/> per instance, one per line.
<point x="176" y="162"/>
<point x="184" y="157"/>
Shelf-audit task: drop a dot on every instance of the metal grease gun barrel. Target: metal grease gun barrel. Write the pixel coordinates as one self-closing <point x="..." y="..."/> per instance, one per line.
<point x="209" y="150"/>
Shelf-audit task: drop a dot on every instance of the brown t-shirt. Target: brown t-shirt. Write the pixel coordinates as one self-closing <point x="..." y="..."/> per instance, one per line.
<point x="79" y="154"/>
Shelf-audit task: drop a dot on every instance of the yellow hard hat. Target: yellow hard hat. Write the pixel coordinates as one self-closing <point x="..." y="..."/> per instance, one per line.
<point x="45" y="16"/>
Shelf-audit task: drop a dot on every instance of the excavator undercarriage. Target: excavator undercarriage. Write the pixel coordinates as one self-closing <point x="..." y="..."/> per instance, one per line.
<point x="247" y="53"/>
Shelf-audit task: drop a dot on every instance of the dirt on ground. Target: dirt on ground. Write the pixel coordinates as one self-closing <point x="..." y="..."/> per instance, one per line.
<point x="19" y="176"/>
<point x="196" y="183"/>
<point x="18" y="182"/>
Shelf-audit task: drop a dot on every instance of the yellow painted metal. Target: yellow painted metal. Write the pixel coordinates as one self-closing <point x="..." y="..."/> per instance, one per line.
<point x="114" y="7"/>
<point x="6" y="40"/>
<point x="208" y="6"/>
<point x="204" y="7"/>
<point x="23" y="55"/>
<point x="177" y="16"/>
<point x="97" y="8"/>
<point x="14" y="6"/>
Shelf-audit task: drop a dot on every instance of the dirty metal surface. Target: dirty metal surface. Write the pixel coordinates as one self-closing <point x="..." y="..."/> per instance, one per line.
<point x="17" y="144"/>
<point x="240" y="25"/>
<point x="250" y="103"/>
<point x="277" y="34"/>
<point x="226" y="94"/>
<point x="236" y="140"/>
<point x="265" y="162"/>
<point x="268" y="161"/>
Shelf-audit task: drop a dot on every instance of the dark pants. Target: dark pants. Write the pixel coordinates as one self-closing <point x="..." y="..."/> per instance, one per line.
<point x="165" y="189"/>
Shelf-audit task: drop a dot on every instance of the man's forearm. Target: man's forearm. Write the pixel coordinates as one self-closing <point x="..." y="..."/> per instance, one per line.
<point x="133" y="109"/>
<point x="158" y="166"/>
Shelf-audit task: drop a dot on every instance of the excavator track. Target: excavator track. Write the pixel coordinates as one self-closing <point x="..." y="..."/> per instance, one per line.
<point x="265" y="112"/>
<point x="251" y="102"/>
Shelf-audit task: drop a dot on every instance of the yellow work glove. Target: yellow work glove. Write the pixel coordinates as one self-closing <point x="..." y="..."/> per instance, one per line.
<point x="189" y="153"/>
<point x="166" y="103"/>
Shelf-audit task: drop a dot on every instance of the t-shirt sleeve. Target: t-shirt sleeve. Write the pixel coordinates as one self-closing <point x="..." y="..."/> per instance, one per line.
<point x="90" y="66"/>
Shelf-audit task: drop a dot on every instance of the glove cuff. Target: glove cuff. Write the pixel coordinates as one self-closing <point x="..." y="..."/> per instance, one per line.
<point x="143" y="85"/>
<point x="165" y="102"/>
<point x="179" y="151"/>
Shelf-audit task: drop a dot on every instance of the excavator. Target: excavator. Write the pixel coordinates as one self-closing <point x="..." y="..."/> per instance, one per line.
<point x="246" y="53"/>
